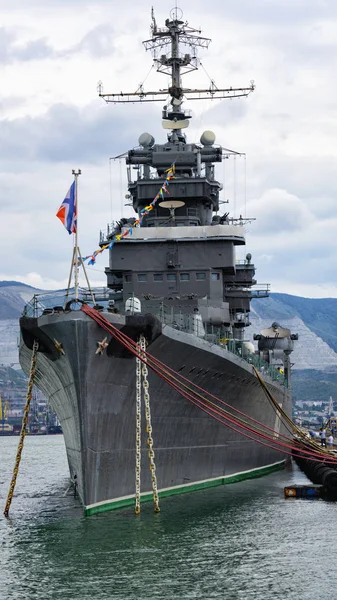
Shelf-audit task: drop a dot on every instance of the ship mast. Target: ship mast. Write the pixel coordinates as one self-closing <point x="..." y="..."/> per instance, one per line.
<point x="165" y="46"/>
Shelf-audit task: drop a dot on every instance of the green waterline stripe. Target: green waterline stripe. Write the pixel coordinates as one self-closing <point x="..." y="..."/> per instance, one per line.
<point x="107" y="505"/>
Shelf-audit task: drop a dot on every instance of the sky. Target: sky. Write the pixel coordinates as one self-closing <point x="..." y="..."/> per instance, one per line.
<point x="53" y="53"/>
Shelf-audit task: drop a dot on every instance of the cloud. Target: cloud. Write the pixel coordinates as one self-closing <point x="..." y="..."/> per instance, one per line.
<point x="98" y="42"/>
<point x="302" y="257"/>
<point x="69" y="133"/>
<point x="51" y="57"/>
<point x="278" y="13"/>
<point x="279" y="212"/>
<point x="48" y="283"/>
<point x="11" y="50"/>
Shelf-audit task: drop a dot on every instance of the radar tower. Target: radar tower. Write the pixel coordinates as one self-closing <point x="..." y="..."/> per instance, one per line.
<point x="166" y="47"/>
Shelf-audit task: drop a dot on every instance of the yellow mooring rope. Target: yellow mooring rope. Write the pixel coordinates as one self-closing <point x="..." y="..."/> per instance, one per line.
<point x="296" y="430"/>
<point x="23" y="427"/>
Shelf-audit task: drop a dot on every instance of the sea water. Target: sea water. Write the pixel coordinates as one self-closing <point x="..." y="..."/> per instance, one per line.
<point x="239" y="541"/>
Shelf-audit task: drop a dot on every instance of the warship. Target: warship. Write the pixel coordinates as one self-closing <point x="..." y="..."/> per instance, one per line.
<point x="173" y="281"/>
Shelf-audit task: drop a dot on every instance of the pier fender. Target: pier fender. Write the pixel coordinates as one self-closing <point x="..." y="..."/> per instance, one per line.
<point x="329" y="482"/>
<point x="135" y="326"/>
<point x="317" y="472"/>
<point x="31" y="331"/>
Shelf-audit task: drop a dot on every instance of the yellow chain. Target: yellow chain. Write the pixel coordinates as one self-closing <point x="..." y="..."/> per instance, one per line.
<point x="138" y="432"/>
<point x="23" y="427"/>
<point x="142" y="343"/>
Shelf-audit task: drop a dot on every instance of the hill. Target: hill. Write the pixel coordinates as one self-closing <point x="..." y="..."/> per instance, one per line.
<point x="315" y="320"/>
<point x="314" y="374"/>
<point x="319" y="314"/>
<point x="13" y="296"/>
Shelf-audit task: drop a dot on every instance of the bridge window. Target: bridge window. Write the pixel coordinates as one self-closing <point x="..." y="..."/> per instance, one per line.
<point x="200" y="276"/>
<point x="158" y="277"/>
<point x="215" y="276"/>
<point x="142" y="277"/>
<point x="127" y="278"/>
<point x="184" y="276"/>
<point x="171" y="277"/>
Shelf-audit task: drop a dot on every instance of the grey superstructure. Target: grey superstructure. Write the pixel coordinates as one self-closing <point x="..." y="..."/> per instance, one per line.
<point x="177" y="281"/>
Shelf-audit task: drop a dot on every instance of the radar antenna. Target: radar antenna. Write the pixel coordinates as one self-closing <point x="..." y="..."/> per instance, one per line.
<point x="154" y="24"/>
<point x="166" y="46"/>
<point x="172" y="205"/>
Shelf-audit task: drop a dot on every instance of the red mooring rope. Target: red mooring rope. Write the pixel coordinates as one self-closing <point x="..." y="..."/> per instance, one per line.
<point x="286" y="446"/>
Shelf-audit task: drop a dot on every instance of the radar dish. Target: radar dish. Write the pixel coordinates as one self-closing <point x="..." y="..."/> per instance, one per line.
<point x="171" y="204"/>
<point x="167" y="124"/>
<point x="176" y="13"/>
<point x="207" y="138"/>
<point x="146" y="140"/>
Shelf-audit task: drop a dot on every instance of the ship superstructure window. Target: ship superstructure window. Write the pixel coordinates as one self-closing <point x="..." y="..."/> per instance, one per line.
<point x="142" y="277"/>
<point x="215" y="276"/>
<point x="171" y="277"/>
<point x="184" y="276"/>
<point x="158" y="277"/>
<point x="200" y="276"/>
<point x="128" y="278"/>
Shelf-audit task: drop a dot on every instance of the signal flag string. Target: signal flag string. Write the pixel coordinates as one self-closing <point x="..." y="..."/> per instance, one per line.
<point x="91" y="258"/>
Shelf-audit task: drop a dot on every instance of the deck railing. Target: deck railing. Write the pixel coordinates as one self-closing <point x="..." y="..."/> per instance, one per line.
<point x="168" y="315"/>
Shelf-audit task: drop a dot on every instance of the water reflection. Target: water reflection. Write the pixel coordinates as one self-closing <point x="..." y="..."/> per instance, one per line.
<point x="238" y="541"/>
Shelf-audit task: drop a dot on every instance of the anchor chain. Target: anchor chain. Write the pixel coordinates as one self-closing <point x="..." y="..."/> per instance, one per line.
<point x="23" y="427"/>
<point x="142" y="343"/>
<point x="138" y="432"/>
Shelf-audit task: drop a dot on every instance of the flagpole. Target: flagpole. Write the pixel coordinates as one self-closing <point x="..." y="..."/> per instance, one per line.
<point x="68" y="215"/>
<point x="70" y="277"/>
<point x="76" y="253"/>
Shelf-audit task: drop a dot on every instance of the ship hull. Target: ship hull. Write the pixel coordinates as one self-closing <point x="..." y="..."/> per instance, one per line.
<point x="94" y="397"/>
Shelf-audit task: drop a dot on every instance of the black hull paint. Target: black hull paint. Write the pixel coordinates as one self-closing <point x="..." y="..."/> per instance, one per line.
<point x="94" y="399"/>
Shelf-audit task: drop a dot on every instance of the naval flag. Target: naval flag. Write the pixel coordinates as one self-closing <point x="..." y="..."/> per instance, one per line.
<point x="67" y="213"/>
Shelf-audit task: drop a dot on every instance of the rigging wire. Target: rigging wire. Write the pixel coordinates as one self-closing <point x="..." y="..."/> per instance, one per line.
<point x="200" y="122"/>
<point x="245" y="185"/>
<point x="224" y="179"/>
<point x="234" y="186"/>
<point x="94" y="269"/>
<point x="110" y="159"/>
<point x="209" y="77"/>
<point x="140" y="87"/>
<point x="121" y="186"/>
